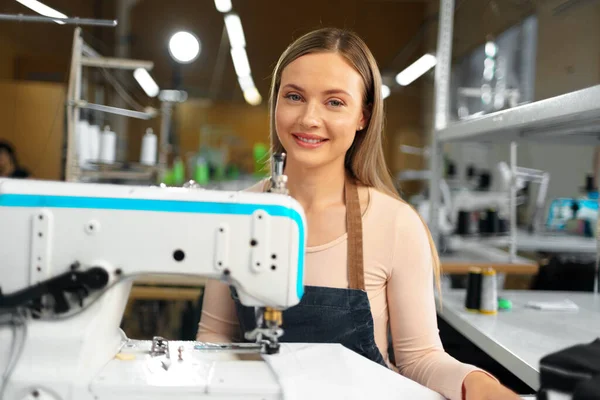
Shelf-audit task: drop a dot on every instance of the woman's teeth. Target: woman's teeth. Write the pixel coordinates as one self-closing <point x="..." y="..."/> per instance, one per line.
<point x="312" y="141"/>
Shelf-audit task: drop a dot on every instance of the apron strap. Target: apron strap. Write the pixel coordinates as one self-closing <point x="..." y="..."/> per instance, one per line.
<point x="356" y="277"/>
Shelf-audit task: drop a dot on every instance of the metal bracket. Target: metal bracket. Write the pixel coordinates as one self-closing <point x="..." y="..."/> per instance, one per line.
<point x="116" y="63"/>
<point x="114" y="110"/>
<point x="110" y="23"/>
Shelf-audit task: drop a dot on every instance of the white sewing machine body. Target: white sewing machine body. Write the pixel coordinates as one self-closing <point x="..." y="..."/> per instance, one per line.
<point x="66" y="239"/>
<point x="128" y="231"/>
<point x="142" y="230"/>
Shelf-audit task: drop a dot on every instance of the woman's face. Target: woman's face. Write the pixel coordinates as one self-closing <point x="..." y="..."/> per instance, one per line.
<point x="319" y="109"/>
<point x="5" y="162"/>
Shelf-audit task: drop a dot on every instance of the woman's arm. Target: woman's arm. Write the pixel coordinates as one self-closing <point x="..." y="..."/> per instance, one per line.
<point x="417" y="346"/>
<point x="218" y="321"/>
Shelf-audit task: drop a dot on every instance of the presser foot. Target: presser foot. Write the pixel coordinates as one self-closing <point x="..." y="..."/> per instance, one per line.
<point x="160" y="348"/>
<point x="268" y="329"/>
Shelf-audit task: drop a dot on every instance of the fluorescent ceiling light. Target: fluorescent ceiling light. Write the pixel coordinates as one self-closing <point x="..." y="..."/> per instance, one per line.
<point x="240" y="61"/>
<point x="146" y="82"/>
<point x="223" y="6"/>
<point x="233" y="24"/>
<point x="385" y="91"/>
<point x="43" y="9"/>
<point x="416" y="69"/>
<point x="184" y="47"/>
<point x="252" y="96"/>
<point x="246" y="82"/>
<point x="491" y="49"/>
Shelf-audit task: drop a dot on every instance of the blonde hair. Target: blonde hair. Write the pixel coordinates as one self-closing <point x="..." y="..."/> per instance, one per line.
<point x="365" y="159"/>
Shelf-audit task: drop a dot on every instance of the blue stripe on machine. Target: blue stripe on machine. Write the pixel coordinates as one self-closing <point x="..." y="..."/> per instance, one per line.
<point x="109" y="203"/>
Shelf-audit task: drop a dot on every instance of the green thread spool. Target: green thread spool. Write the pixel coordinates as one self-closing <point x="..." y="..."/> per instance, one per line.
<point x="178" y="172"/>
<point x="201" y="172"/>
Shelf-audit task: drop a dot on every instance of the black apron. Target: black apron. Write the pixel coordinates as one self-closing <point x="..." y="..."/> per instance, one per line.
<point x="331" y="315"/>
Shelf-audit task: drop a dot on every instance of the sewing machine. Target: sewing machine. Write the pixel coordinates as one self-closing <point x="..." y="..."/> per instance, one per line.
<point x="68" y="257"/>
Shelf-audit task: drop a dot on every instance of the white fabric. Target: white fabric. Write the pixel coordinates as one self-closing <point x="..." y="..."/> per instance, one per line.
<point x="339" y="373"/>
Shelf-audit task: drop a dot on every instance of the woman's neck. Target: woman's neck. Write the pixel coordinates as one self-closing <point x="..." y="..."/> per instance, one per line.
<point x="316" y="188"/>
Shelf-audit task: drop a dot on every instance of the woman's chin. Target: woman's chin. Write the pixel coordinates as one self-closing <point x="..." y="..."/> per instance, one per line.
<point x="304" y="159"/>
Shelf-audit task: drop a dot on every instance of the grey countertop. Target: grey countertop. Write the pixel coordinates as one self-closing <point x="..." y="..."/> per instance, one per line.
<point x="520" y="337"/>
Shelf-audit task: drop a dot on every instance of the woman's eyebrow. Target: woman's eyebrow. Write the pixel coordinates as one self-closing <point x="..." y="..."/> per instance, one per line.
<point x="328" y="91"/>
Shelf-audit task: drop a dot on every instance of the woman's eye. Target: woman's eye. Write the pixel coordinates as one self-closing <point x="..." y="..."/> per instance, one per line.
<point x="336" y="103"/>
<point x="293" y="97"/>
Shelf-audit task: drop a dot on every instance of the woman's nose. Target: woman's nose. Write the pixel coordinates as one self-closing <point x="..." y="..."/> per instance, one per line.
<point x="310" y="117"/>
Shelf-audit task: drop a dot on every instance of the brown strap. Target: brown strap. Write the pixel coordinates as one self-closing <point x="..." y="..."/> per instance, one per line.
<point x="356" y="278"/>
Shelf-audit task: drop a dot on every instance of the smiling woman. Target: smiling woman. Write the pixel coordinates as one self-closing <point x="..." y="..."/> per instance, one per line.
<point x="319" y="108"/>
<point x="370" y="262"/>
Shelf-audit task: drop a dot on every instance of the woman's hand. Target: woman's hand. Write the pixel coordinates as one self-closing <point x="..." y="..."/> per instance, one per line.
<point x="479" y="386"/>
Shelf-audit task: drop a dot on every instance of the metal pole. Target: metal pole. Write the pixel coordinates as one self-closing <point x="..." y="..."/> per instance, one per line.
<point x="114" y="110"/>
<point x="71" y="162"/>
<point x="513" y="202"/>
<point x="441" y="108"/>
<point x="166" y="109"/>
<point x="69" y="21"/>
<point x="597" y="272"/>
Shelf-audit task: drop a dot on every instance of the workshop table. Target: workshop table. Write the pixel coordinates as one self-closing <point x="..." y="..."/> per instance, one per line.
<point x="545" y="242"/>
<point x="520" y="337"/>
<point x="164" y="305"/>
<point x="167" y="287"/>
<point x="467" y="254"/>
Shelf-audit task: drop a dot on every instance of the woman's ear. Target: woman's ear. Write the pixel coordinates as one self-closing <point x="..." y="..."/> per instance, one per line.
<point x="364" y="118"/>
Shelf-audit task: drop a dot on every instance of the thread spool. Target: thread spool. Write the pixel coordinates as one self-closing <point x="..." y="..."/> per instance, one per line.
<point x="493" y="221"/>
<point x="94" y="142"/>
<point x="464" y="223"/>
<point x="489" y="292"/>
<point x="83" y="142"/>
<point x="474" y="281"/>
<point x="148" y="153"/>
<point x="201" y="173"/>
<point x="108" y="146"/>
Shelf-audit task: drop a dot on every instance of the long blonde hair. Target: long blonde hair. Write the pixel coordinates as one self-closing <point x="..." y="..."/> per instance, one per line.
<point x="365" y="159"/>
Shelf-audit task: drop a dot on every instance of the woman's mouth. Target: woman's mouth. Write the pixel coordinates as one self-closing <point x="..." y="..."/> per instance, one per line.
<point x="308" y="141"/>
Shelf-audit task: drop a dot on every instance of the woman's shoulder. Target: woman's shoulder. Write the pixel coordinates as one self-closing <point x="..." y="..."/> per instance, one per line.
<point x="386" y="209"/>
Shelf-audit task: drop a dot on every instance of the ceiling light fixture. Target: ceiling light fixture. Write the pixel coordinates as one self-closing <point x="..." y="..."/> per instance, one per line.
<point x="240" y="61"/>
<point x="235" y="32"/>
<point x="416" y="69"/>
<point x="223" y="6"/>
<point x="43" y="9"/>
<point x="385" y="91"/>
<point x="252" y="96"/>
<point x="246" y="82"/>
<point x="184" y="47"/>
<point x="144" y="79"/>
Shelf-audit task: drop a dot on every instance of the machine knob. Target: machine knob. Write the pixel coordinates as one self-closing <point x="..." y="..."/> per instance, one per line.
<point x="95" y="278"/>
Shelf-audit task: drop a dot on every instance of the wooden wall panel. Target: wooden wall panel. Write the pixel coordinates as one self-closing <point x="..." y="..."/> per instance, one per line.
<point x="32" y="116"/>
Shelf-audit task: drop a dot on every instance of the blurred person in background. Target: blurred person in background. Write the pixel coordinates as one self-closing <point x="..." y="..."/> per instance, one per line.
<point x="9" y="166"/>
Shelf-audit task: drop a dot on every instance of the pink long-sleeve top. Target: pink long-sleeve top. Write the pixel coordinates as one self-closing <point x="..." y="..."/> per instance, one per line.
<point x="399" y="284"/>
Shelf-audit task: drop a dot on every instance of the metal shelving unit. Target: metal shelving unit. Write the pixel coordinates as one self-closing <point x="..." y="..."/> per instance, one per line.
<point x="83" y="55"/>
<point x="572" y="118"/>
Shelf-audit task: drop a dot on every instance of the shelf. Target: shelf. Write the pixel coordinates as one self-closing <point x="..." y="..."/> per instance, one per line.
<point x="572" y="118"/>
<point x="466" y="253"/>
<point x="547" y="242"/>
<point x="120" y="171"/>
